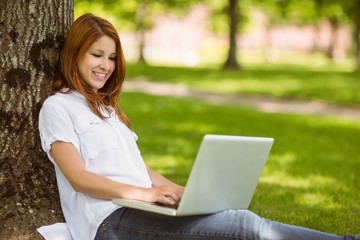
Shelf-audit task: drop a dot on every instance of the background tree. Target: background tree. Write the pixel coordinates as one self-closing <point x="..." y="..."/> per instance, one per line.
<point x="352" y="10"/>
<point x="141" y="15"/>
<point x="283" y="13"/>
<point x="138" y="15"/>
<point x="134" y="15"/>
<point x="313" y="12"/>
<point x="229" y="17"/>
<point x="31" y="35"/>
<point x="233" y="14"/>
<point x="337" y="13"/>
<point x="332" y="12"/>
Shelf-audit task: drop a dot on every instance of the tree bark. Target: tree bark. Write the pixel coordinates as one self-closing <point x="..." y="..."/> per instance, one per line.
<point x="231" y="61"/>
<point x="31" y="36"/>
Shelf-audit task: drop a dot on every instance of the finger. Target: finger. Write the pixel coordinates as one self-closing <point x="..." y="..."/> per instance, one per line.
<point x="168" y="200"/>
<point x="174" y="196"/>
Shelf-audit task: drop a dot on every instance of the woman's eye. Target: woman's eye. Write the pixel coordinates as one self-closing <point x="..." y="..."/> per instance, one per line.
<point x="96" y="55"/>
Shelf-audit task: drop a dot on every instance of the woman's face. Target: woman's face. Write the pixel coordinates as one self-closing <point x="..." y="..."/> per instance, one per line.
<point x="98" y="62"/>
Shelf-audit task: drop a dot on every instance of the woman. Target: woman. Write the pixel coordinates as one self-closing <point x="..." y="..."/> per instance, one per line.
<point x="90" y="142"/>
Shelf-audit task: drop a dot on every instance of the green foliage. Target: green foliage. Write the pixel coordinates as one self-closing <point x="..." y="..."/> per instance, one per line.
<point x="310" y="178"/>
<point x="304" y="12"/>
<point x="97" y="8"/>
<point x="220" y="15"/>
<point x="125" y="14"/>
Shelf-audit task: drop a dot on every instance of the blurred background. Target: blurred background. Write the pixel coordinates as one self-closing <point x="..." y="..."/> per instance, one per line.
<point x="228" y="32"/>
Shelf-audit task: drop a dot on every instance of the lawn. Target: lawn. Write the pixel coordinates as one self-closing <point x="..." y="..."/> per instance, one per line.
<point x="297" y="76"/>
<point x="311" y="177"/>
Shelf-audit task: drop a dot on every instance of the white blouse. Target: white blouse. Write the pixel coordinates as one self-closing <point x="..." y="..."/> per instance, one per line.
<point x="107" y="147"/>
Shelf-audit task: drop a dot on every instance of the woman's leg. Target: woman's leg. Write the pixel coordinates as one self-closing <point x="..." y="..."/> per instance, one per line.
<point x="133" y="224"/>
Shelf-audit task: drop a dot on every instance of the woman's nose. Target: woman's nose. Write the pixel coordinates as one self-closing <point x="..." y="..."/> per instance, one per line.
<point x="105" y="64"/>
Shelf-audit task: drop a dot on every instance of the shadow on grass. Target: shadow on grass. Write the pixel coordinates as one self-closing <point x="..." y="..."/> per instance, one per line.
<point x="311" y="172"/>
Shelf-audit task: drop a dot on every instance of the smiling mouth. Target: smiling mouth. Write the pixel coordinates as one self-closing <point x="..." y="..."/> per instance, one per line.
<point x="101" y="75"/>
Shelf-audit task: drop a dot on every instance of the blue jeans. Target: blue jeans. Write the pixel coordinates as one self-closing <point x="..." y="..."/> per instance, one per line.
<point x="130" y="224"/>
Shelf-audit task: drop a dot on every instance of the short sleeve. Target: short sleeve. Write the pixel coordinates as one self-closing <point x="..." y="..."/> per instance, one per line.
<point x="134" y="136"/>
<point x="55" y="124"/>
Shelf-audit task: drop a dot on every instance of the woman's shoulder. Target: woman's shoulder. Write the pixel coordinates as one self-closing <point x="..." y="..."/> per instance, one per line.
<point x="53" y="98"/>
<point x="71" y="103"/>
<point x="63" y="98"/>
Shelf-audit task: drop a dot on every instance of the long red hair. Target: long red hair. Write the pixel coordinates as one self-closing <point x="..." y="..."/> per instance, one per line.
<point x="84" y="32"/>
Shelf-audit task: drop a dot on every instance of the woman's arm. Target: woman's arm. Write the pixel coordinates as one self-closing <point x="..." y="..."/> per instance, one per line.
<point x="69" y="161"/>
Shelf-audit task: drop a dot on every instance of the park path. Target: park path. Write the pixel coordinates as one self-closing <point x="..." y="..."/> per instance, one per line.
<point x="264" y="104"/>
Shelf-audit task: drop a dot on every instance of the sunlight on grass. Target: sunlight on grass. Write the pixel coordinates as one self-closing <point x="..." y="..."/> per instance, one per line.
<point x="165" y="162"/>
<point x="313" y="61"/>
<point x="285" y="158"/>
<point x="249" y="84"/>
<point x="168" y="165"/>
<point x="187" y="126"/>
<point x="282" y="179"/>
<point x="293" y="76"/>
<point x="216" y="55"/>
<point x="318" y="200"/>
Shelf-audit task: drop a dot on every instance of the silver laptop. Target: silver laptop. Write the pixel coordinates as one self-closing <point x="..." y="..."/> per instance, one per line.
<point x="224" y="176"/>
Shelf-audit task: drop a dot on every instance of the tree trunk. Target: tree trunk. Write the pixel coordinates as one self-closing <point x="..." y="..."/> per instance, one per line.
<point x="334" y="25"/>
<point x="357" y="36"/>
<point x="141" y="13"/>
<point x="231" y="61"/>
<point x="31" y="35"/>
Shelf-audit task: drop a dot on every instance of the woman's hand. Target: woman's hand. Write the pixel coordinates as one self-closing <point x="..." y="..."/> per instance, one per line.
<point x="163" y="191"/>
<point x="167" y="194"/>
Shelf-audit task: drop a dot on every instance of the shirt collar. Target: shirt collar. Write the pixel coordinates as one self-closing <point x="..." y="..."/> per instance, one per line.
<point x="77" y="94"/>
<point x="110" y="111"/>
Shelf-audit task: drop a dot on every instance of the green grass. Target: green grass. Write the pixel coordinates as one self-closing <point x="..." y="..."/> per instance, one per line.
<point x="310" y="179"/>
<point x="307" y="77"/>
